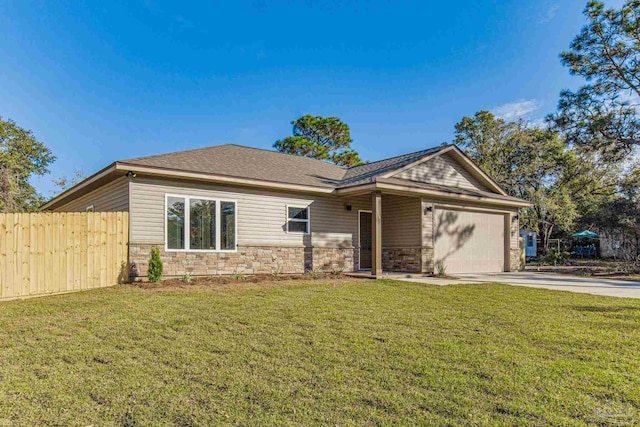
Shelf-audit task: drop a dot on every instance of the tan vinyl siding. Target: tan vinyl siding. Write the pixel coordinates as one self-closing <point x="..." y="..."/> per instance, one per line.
<point x="113" y="196"/>
<point x="427" y="224"/>
<point x="515" y="230"/>
<point x="261" y="214"/>
<point x="442" y="170"/>
<point x="400" y="221"/>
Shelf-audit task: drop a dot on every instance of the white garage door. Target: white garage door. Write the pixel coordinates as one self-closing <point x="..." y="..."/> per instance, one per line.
<point x="469" y="242"/>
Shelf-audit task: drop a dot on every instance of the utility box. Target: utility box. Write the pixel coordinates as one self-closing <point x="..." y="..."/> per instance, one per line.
<point x="530" y="243"/>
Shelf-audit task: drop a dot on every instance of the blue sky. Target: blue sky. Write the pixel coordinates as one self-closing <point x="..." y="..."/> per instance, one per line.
<point x="102" y="81"/>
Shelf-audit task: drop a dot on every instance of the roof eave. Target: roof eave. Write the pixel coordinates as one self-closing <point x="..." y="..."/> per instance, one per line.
<point x="378" y="185"/>
<point x="201" y="176"/>
<point x="79" y="186"/>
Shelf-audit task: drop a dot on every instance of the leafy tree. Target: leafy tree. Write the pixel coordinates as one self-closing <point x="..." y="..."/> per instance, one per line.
<point x="537" y="165"/>
<point x="21" y="157"/>
<point x="525" y="162"/>
<point x="65" y="182"/>
<point x="512" y="153"/>
<point x="323" y="138"/>
<point x="602" y="114"/>
<point x="619" y="215"/>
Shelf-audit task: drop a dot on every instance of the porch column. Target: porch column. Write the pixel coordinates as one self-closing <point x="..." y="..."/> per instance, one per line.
<point x="376" y="234"/>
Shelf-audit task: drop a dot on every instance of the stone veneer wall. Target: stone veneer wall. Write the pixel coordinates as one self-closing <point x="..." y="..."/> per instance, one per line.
<point x="409" y="260"/>
<point x="247" y="260"/>
<point x="516" y="260"/>
<point x="402" y="259"/>
<point x="427" y="260"/>
<point x="329" y="259"/>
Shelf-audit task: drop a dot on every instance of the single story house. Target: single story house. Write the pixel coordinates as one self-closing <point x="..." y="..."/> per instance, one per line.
<point x="231" y="209"/>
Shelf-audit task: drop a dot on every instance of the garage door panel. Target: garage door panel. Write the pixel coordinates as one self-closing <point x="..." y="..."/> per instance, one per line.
<point x="469" y="242"/>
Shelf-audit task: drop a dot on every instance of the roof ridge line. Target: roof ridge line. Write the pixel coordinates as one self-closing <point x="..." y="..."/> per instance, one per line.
<point x="287" y="154"/>
<point x="234" y="145"/>
<point x="174" y="152"/>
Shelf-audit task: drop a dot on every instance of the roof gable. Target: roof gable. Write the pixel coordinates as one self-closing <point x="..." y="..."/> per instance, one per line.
<point x="449" y="167"/>
<point x="366" y="173"/>
<point x="442" y="170"/>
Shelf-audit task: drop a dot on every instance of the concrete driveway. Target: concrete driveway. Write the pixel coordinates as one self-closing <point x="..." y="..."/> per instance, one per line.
<point x="559" y="282"/>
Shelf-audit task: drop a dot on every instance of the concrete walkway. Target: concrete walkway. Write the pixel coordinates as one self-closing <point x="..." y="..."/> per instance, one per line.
<point x="587" y="285"/>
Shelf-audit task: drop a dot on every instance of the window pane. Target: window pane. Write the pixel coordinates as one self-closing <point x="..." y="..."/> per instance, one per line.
<point x="202" y="224"/>
<point x="227" y="225"/>
<point x="298" y="213"/>
<point x="175" y="223"/>
<point x="298" y="226"/>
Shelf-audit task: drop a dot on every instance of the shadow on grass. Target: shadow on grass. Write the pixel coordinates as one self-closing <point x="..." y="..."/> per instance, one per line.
<point x="602" y="308"/>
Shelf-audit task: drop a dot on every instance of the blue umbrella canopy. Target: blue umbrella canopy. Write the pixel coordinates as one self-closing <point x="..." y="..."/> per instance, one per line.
<point x="586" y="234"/>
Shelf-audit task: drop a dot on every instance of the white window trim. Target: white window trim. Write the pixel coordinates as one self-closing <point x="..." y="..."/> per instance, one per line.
<point x="187" y="221"/>
<point x="90" y="208"/>
<point x="308" y="220"/>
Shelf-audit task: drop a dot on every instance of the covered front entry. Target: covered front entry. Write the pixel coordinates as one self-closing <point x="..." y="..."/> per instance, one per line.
<point x="469" y="241"/>
<point x="389" y="234"/>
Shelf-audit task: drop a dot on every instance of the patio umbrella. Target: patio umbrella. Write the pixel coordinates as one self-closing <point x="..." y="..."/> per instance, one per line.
<point x="586" y="234"/>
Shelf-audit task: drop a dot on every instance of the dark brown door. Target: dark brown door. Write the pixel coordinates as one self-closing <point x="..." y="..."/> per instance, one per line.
<point x="365" y="240"/>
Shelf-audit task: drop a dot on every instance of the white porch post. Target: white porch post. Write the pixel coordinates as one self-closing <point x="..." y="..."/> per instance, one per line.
<point x="376" y="234"/>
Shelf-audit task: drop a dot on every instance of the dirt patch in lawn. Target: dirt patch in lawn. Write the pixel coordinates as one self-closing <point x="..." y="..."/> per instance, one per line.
<point x="621" y="270"/>
<point x="227" y="282"/>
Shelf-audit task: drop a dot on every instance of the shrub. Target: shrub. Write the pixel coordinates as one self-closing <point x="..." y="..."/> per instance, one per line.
<point x="155" y="266"/>
<point x="441" y="269"/>
<point x="186" y="278"/>
<point x="314" y="273"/>
<point x="337" y="272"/>
<point x="277" y="272"/>
<point x="555" y="257"/>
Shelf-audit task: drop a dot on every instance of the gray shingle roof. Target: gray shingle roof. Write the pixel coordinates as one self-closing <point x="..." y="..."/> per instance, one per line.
<point x="246" y="162"/>
<point x="266" y="165"/>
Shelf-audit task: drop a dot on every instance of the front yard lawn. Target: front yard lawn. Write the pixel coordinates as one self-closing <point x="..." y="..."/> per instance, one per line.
<point x="331" y="352"/>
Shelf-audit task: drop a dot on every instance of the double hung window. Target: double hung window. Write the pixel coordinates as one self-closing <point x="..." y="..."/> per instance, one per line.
<point x="298" y="219"/>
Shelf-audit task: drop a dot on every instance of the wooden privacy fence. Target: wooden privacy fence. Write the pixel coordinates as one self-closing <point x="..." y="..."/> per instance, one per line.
<point x="50" y="253"/>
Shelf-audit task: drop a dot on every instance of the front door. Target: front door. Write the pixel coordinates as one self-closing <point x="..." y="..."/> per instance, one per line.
<point x="364" y="234"/>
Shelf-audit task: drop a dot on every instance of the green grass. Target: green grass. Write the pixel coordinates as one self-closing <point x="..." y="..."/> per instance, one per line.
<point x="360" y="353"/>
